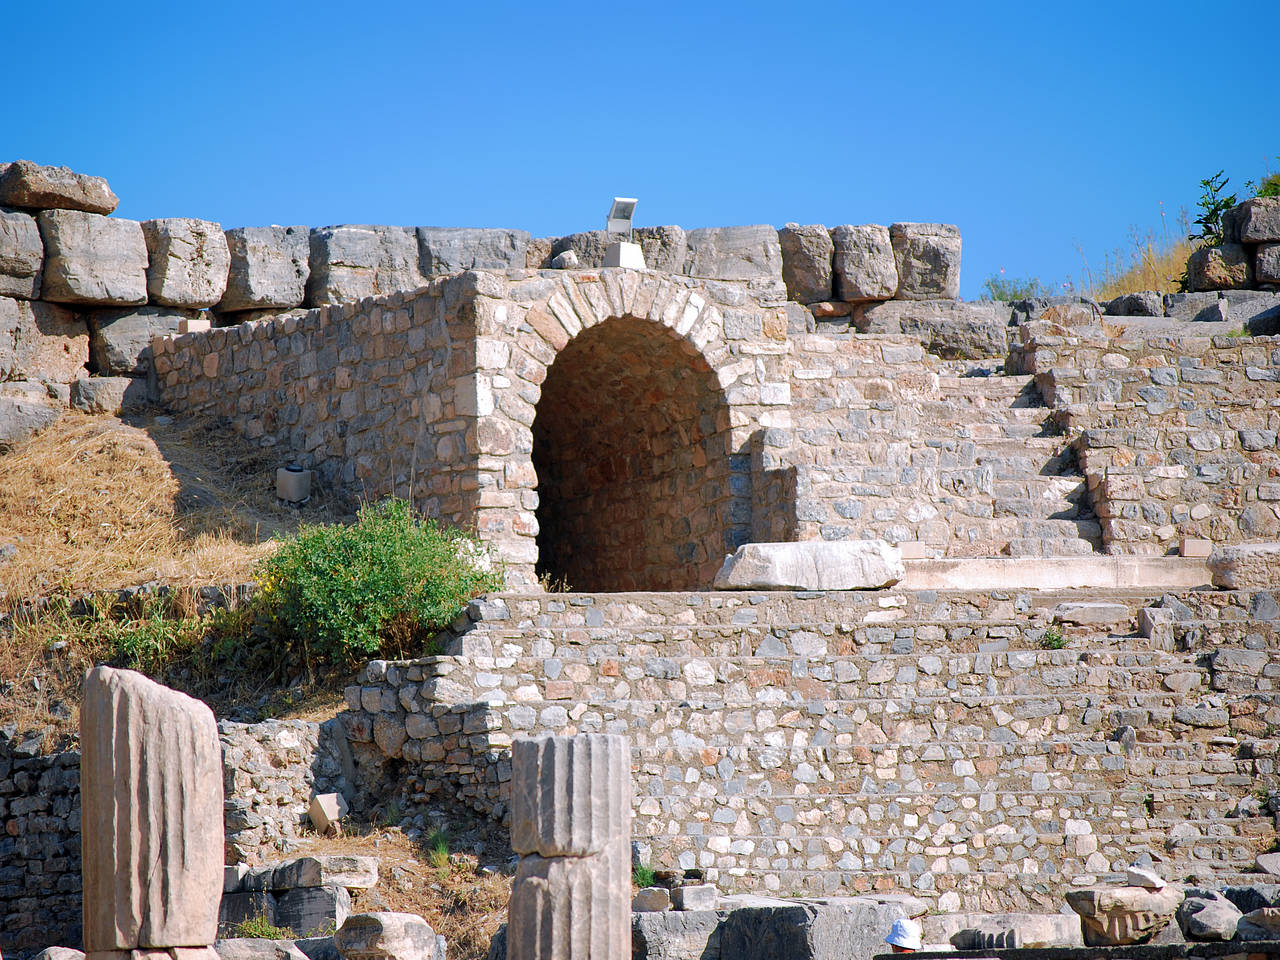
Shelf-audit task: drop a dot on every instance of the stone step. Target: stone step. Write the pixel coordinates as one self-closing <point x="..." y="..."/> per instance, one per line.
<point x="1010" y="387"/>
<point x="1051" y="547"/>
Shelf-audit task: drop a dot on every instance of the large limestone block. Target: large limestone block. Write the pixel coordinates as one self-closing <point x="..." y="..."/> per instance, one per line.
<point x="120" y="340"/>
<point x="864" y="263"/>
<point x="1206" y="915"/>
<point x="312" y="911"/>
<point x="851" y="927"/>
<point x="21" y="255"/>
<point x="735" y="253"/>
<point x="947" y="328"/>
<point x="570" y="796"/>
<point x="1114" y="916"/>
<point x="1246" y="566"/>
<point x="151" y="815"/>
<point x="93" y="259"/>
<point x="806" y="261"/>
<point x="332" y="870"/>
<point x="675" y="935"/>
<point x="454" y="249"/>
<point x="571" y="908"/>
<point x="1258" y="220"/>
<point x="1266" y="265"/>
<point x="269" y="268"/>
<point x="111" y="395"/>
<point x="254" y="948"/>
<point x="354" y="261"/>
<point x="21" y="418"/>
<point x="812" y="565"/>
<point x="665" y="248"/>
<point x="189" y="261"/>
<point x="983" y="930"/>
<point x="27" y="184"/>
<point x="385" y="936"/>
<point x="1228" y="267"/>
<point x="41" y="341"/>
<point x="928" y="260"/>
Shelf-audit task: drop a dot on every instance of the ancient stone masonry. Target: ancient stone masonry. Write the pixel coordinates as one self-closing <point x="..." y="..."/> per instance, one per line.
<point x="909" y="740"/>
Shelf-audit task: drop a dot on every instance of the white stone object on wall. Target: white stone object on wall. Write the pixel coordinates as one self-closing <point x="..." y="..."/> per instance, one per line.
<point x="385" y="936"/>
<point x="269" y="268"/>
<point x="151" y="813"/>
<point x="444" y="250"/>
<point x="806" y="261"/>
<point x="27" y="184"/>
<point x="812" y="565"/>
<point x="928" y="260"/>
<point x="188" y="262"/>
<point x="623" y="253"/>
<point x="695" y="896"/>
<point x="564" y="260"/>
<point x="735" y="253"/>
<point x="863" y="262"/>
<point x="120" y="340"/>
<point x="92" y="259"/>
<point x="21" y="255"/>
<point x="326" y="812"/>
<point x="651" y="900"/>
<point x="41" y="341"/>
<point x="354" y="261"/>
<point x="1115" y="916"/>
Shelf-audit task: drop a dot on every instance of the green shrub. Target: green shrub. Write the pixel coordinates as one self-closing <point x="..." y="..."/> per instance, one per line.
<point x="389" y="579"/>
<point x="151" y="640"/>
<point x="642" y="876"/>
<point x="1053" y="639"/>
<point x="1270" y="186"/>
<point x="998" y="287"/>
<point x="438" y="849"/>
<point x="260" y="926"/>
<point x="1213" y="203"/>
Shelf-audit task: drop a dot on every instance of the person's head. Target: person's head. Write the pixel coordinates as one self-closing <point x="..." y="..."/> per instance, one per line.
<point x="904" y="936"/>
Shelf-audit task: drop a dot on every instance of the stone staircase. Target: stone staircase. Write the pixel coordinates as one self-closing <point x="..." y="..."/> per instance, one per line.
<point x="1022" y="494"/>
<point x="967" y="747"/>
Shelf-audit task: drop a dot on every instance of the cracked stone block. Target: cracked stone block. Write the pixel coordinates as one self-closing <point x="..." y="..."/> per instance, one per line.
<point x="120" y="340"/>
<point x="735" y="253"/>
<point x="27" y="184"/>
<point x="21" y="255"/>
<point x="454" y="249"/>
<point x="188" y="262"/>
<point x="928" y="260"/>
<point x="41" y="341"/>
<point x="806" y="261"/>
<point x="92" y="259"/>
<point x="269" y="268"/>
<point x="311" y="911"/>
<point x="355" y="261"/>
<point x="864" y="263"/>
<point x="151" y="808"/>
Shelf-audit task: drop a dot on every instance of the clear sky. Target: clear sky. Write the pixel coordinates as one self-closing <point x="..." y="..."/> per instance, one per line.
<point x="1039" y="129"/>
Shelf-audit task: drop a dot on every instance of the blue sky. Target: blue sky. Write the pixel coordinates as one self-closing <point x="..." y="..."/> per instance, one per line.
<point x="1041" y="130"/>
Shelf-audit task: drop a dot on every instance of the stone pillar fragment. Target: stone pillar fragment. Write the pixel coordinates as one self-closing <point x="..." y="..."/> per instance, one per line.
<point x="151" y="816"/>
<point x="571" y="818"/>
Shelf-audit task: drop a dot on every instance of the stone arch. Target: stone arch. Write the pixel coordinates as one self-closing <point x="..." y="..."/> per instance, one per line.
<point x="629" y="416"/>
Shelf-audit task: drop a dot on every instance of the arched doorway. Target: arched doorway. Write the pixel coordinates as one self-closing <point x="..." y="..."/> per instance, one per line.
<point x="630" y="446"/>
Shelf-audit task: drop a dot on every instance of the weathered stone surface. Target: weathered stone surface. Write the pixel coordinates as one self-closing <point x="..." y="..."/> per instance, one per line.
<point x="41" y="341"/>
<point x="537" y="255"/>
<point x="188" y="262"/>
<point x="947" y="328"/>
<point x="1145" y="303"/>
<point x="312" y="911"/>
<point x="651" y="900"/>
<point x="333" y="870"/>
<point x="1246" y="566"/>
<point x="1268" y="863"/>
<point x="1201" y="307"/>
<point x="120" y="340"/>
<point x="1227" y="267"/>
<point x="1065" y="311"/>
<point x="981" y="931"/>
<point x="387" y="936"/>
<point x="113" y="395"/>
<point x="851" y="927"/>
<point x="21" y="255"/>
<point x="589" y="246"/>
<point x="238" y="906"/>
<point x="735" y="253"/>
<point x="1257" y="311"/>
<point x="22" y="418"/>
<point x="269" y="268"/>
<point x="806" y="261"/>
<point x="257" y="948"/>
<point x="1266" y="264"/>
<point x="1260" y="924"/>
<point x="1258" y="220"/>
<point x="675" y="935"/>
<point x="326" y="812"/>
<point x="27" y="184"/>
<point x="321" y="948"/>
<point x="928" y="260"/>
<point x="151" y="783"/>
<point x="812" y="565"/>
<point x="454" y="249"/>
<point x="665" y="248"/>
<point x="570" y="796"/>
<point x="864" y="264"/>
<point x="92" y="259"/>
<point x="1207" y="915"/>
<point x="571" y="908"/>
<point x="1114" y="916"/>
<point x="59" y="953"/>
<point x="564" y="260"/>
<point x="695" y="896"/>
<point x="1090" y="612"/>
<point x="354" y="261"/>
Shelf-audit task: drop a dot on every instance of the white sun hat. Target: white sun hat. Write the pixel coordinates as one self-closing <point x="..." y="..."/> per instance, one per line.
<point x="904" y="933"/>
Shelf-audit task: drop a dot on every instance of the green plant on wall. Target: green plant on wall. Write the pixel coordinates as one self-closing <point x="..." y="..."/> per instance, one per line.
<point x="1213" y="203"/>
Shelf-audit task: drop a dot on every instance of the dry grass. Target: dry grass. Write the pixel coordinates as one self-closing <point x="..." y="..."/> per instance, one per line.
<point x="1153" y="261"/>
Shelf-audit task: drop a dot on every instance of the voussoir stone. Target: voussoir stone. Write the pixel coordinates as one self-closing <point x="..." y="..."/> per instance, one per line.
<point x="812" y="565"/>
<point x="453" y="249"/>
<point x="570" y="796"/>
<point x="188" y="261"/>
<point x="27" y="184"/>
<point x="928" y="260"/>
<point x="1206" y="915"/>
<point x="41" y="341"/>
<point x="863" y="262"/>
<point x="269" y="268"/>
<point x="92" y="259"/>
<point x="1226" y="267"/>
<point x="735" y="253"/>
<point x="1245" y="566"/>
<point x="806" y="261"/>
<point x="353" y="261"/>
<point x="21" y="255"/>
<point x="151" y="807"/>
<point x="1114" y="916"/>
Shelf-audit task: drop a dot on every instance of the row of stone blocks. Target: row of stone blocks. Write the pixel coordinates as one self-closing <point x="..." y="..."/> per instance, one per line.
<point x="1249" y="255"/>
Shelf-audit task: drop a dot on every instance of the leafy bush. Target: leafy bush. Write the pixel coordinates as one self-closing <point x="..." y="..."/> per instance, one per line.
<point x="1053" y="639"/>
<point x="999" y="287"/>
<point x="1213" y="204"/>
<point x="1270" y="186"/>
<point x="260" y="926"/>
<point x="391" y="578"/>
